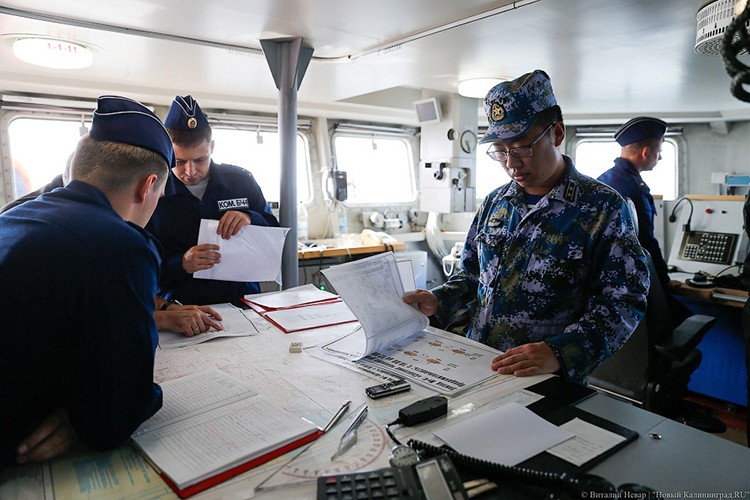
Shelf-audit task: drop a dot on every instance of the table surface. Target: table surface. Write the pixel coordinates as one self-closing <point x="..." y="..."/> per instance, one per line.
<point x="683" y="460"/>
<point x="347" y="245"/>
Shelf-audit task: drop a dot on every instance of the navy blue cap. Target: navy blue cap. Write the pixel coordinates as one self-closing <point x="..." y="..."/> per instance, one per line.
<point x="185" y="114"/>
<point x="512" y="107"/>
<point x="640" y="129"/>
<point x="119" y="119"/>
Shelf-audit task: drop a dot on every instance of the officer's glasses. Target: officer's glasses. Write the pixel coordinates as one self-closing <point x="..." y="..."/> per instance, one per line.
<point x="519" y="152"/>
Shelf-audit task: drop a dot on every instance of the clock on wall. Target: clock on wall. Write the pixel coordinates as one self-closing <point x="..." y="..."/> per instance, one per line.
<point x="468" y="141"/>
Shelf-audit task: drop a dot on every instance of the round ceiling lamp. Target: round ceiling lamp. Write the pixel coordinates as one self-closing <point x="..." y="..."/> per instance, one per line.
<point x="52" y="52"/>
<point x="713" y="20"/>
<point x="477" y="87"/>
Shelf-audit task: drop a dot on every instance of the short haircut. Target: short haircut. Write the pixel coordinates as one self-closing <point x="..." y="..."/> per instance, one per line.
<point x="114" y="165"/>
<point x="190" y="138"/>
<point x="549" y="115"/>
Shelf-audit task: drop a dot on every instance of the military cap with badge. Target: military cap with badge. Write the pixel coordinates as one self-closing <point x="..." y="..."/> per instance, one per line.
<point x="185" y="114"/>
<point x="512" y="106"/>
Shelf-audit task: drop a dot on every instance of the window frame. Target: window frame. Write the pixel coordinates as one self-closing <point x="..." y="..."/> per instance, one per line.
<point x="271" y="129"/>
<point x="8" y="117"/>
<point x="406" y="136"/>
<point x="675" y="139"/>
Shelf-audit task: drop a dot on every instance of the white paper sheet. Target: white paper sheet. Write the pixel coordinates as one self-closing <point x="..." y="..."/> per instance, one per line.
<point x="311" y="316"/>
<point x="590" y="441"/>
<point x="253" y="254"/>
<point x="234" y="322"/>
<point x="441" y="361"/>
<point x="507" y="435"/>
<point x="304" y="294"/>
<point x="373" y="290"/>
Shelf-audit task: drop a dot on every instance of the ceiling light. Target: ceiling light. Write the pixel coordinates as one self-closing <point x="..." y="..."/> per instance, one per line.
<point x="52" y="53"/>
<point x="477" y="87"/>
<point x="713" y="20"/>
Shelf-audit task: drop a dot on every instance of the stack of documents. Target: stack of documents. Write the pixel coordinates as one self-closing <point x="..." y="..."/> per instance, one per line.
<point x="302" y="308"/>
<point x="213" y="427"/>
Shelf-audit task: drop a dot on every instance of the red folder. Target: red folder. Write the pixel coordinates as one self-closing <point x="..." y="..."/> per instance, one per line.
<point x="264" y="311"/>
<point x="230" y="473"/>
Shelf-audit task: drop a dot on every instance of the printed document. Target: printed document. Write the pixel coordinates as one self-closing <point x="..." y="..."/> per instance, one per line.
<point x="373" y="290"/>
<point x="297" y="296"/>
<point x="253" y="254"/>
<point x="396" y="338"/>
<point x="211" y="423"/>
<point x="234" y="322"/>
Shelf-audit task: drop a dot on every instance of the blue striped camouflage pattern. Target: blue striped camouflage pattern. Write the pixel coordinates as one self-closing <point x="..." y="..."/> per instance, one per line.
<point x="512" y="107"/>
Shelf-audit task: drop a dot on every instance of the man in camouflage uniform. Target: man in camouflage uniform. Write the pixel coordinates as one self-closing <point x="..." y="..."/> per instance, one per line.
<point x="552" y="271"/>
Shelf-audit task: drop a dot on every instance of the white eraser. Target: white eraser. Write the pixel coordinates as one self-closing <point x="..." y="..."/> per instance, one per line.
<point x="295" y="347"/>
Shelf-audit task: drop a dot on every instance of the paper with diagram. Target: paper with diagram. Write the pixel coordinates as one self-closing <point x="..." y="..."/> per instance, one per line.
<point x="395" y="339"/>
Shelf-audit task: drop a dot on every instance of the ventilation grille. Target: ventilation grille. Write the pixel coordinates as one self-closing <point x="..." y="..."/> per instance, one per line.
<point x="713" y="20"/>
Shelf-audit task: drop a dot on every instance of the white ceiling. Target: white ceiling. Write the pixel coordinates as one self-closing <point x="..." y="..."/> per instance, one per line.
<point x="608" y="59"/>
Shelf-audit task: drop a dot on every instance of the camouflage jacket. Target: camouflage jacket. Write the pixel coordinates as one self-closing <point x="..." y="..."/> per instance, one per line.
<point x="569" y="272"/>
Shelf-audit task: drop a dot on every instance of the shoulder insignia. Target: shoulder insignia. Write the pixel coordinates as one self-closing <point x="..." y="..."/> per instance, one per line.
<point x="571" y="191"/>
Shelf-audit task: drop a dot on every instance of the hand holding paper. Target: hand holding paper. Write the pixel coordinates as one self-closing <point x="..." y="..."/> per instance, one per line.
<point x="253" y="254"/>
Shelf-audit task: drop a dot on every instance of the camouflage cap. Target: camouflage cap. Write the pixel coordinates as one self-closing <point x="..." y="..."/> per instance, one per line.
<point x="512" y="107"/>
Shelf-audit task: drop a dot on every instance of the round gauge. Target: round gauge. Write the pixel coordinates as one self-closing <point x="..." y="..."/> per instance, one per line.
<point x="468" y="141"/>
<point x="402" y="456"/>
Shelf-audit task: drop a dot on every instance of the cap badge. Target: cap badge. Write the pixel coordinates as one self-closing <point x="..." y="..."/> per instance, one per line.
<point x="497" y="112"/>
<point x="192" y="122"/>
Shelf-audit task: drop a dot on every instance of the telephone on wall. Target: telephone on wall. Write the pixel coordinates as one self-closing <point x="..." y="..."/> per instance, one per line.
<point x="451" y="261"/>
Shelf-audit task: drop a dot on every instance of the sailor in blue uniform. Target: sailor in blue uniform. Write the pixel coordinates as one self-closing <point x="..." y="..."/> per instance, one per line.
<point x="197" y="189"/>
<point x="78" y="274"/>
<point x="641" y="140"/>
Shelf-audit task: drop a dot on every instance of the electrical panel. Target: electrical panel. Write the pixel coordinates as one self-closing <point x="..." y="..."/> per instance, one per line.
<point x="704" y="246"/>
<point x="447" y="151"/>
<point x="708" y="234"/>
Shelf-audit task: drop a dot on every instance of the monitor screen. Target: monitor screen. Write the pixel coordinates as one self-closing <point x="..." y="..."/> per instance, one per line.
<point x="428" y="110"/>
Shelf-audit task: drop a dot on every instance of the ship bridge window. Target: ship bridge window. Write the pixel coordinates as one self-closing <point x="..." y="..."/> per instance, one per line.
<point x="594" y="156"/>
<point x="39" y="148"/>
<point x="259" y="152"/>
<point x="380" y="169"/>
<point x="490" y="174"/>
<point x="253" y="147"/>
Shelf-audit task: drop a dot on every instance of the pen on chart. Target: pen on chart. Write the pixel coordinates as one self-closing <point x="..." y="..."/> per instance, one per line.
<point x="334" y="420"/>
<point x="349" y="438"/>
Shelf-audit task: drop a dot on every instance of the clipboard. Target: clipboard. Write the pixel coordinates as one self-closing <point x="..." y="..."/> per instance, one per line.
<point x="558" y="393"/>
<point x="550" y="463"/>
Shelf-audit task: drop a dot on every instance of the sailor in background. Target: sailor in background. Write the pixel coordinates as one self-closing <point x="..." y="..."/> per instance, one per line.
<point x="197" y="189"/>
<point x="641" y="140"/>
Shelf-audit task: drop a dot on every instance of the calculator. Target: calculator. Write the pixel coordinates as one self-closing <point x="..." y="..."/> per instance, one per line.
<point x="434" y="479"/>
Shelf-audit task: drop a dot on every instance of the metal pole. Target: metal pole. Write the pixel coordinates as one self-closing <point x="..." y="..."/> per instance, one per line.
<point x="288" y="61"/>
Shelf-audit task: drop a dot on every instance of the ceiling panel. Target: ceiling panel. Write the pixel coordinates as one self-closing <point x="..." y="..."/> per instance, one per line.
<point x="607" y="58"/>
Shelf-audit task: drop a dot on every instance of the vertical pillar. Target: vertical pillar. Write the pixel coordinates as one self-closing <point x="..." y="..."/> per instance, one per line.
<point x="288" y="61"/>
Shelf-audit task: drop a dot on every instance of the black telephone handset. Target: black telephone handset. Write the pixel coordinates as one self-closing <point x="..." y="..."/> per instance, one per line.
<point x="564" y="485"/>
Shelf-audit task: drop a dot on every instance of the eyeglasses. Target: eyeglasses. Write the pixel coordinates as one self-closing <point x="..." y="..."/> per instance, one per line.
<point x="519" y="152"/>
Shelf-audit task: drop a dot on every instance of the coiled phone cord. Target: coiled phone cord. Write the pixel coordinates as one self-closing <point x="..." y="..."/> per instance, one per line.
<point x="578" y="483"/>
